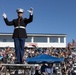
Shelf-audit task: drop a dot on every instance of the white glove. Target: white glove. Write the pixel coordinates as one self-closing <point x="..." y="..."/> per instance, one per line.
<point x="4" y="15"/>
<point x="30" y="11"/>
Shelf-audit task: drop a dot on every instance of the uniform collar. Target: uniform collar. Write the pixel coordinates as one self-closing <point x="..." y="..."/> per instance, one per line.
<point x="20" y="18"/>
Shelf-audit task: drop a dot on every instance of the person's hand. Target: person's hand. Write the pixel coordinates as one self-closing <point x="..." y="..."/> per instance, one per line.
<point x="30" y="11"/>
<point x="4" y="15"/>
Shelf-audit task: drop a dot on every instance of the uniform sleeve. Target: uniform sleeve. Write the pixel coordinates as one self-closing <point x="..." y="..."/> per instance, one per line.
<point x="9" y="23"/>
<point x="30" y="19"/>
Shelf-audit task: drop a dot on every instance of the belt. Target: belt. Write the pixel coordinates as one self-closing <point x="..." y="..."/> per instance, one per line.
<point x="20" y="27"/>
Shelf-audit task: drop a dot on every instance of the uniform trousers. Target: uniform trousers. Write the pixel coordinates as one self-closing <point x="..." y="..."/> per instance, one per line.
<point x="19" y="49"/>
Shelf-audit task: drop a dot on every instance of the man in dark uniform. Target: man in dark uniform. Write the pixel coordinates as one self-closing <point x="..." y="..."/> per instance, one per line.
<point x="19" y="34"/>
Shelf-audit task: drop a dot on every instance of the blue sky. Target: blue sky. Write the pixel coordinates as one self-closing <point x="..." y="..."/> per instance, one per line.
<point x="50" y="16"/>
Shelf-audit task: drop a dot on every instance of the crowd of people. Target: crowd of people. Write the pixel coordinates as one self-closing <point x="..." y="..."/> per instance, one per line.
<point x="63" y="68"/>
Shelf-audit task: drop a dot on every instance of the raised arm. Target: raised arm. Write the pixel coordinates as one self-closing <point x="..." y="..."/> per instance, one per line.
<point x="30" y="19"/>
<point x="9" y="23"/>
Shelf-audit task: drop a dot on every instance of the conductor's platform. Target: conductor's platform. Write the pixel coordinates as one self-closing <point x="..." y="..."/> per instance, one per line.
<point x="9" y="68"/>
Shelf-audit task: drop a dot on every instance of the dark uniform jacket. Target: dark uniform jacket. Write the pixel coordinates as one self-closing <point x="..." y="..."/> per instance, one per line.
<point x="19" y="32"/>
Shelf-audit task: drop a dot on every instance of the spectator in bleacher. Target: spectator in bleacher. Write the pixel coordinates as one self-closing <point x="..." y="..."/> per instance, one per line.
<point x="43" y="67"/>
